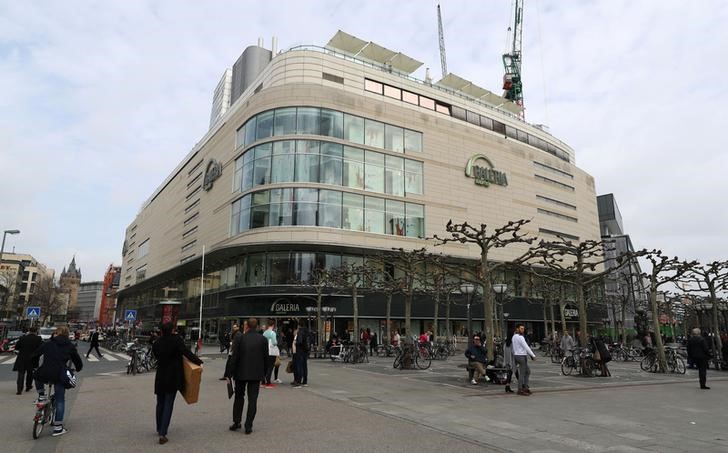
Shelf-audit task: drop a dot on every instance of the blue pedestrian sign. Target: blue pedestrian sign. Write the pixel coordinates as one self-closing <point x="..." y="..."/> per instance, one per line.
<point x="130" y="315"/>
<point x="32" y="312"/>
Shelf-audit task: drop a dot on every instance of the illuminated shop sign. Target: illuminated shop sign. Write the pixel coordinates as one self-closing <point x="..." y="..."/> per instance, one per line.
<point x="481" y="169"/>
<point x="213" y="171"/>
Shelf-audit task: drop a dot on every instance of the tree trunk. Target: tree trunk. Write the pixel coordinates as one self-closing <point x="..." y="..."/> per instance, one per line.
<point x="355" y="302"/>
<point x="562" y="302"/>
<point x="408" y="314"/>
<point x="656" y="326"/>
<point x="579" y="288"/>
<point x="488" y="307"/>
<point x="447" y="318"/>
<point x="437" y="313"/>
<point x="716" y="327"/>
<point x="389" y="317"/>
<point x="319" y="325"/>
<point x="553" y="321"/>
<point x="621" y="327"/>
<point x="545" y="322"/>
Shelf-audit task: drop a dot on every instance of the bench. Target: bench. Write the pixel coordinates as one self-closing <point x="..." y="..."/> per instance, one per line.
<point x="491" y="371"/>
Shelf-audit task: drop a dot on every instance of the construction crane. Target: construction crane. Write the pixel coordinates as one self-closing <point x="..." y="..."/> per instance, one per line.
<point x="443" y="61"/>
<point x="512" y="83"/>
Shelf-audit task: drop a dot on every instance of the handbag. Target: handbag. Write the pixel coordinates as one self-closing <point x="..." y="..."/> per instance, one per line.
<point x="273" y="349"/>
<point x="597" y="356"/>
<point x="68" y="379"/>
<point x="278" y="361"/>
<point x="289" y="366"/>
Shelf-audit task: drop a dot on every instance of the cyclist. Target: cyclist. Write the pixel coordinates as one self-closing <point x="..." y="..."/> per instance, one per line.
<point x="56" y="353"/>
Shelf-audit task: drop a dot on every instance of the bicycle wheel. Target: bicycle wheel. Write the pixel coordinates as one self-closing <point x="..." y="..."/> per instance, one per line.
<point x="648" y="362"/>
<point x="397" y="361"/>
<point x="589" y="367"/>
<point x="679" y="365"/>
<point x="567" y="366"/>
<point x="423" y="361"/>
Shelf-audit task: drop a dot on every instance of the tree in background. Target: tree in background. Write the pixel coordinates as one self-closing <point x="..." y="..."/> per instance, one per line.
<point x="711" y="278"/>
<point x="352" y="277"/>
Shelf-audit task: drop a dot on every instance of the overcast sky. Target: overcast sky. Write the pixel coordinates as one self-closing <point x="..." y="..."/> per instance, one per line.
<point x="100" y="100"/>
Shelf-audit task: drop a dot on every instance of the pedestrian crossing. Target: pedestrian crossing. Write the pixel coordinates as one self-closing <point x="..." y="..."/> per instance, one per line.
<point x="106" y="356"/>
<point x="7" y="359"/>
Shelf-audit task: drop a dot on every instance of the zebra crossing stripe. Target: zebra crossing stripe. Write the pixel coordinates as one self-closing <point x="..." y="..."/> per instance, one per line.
<point x="9" y="361"/>
<point x="92" y="358"/>
<point x="110" y="357"/>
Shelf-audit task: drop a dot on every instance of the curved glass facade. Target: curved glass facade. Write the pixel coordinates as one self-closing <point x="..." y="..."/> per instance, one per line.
<point x="314" y="161"/>
<point x="330" y="123"/>
<point x="327" y="208"/>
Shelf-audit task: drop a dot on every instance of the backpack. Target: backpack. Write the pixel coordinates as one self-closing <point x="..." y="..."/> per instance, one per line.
<point x="68" y="379"/>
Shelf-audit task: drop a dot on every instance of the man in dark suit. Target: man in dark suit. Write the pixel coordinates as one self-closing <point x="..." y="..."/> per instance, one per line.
<point x="247" y="367"/>
<point x="94" y="344"/>
<point x="24" y="363"/>
<point x="699" y="354"/>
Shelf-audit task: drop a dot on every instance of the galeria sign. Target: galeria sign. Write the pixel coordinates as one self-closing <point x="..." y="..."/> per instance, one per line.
<point x="484" y="175"/>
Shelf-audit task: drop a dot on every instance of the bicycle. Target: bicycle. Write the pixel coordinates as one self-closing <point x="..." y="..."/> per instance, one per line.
<point x="674" y="363"/>
<point x="557" y="354"/>
<point x="581" y="361"/>
<point x="134" y="365"/>
<point x="413" y="354"/>
<point x="45" y="412"/>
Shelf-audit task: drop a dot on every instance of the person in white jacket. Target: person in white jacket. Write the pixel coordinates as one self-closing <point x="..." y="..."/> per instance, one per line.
<point x="521" y="351"/>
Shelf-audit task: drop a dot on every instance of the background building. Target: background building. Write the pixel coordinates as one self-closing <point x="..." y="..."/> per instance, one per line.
<point x="107" y="312"/>
<point x="69" y="283"/>
<point x="88" y="304"/>
<point x="20" y="274"/>
<point x="329" y="155"/>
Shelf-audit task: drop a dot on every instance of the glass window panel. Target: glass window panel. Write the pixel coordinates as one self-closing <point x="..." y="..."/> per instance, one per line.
<point x="281" y="207"/>
<point x="279" y="268"/>
<point x="511" y="132"/>
<point x="458" y="112"/>
<point x="240" y="137"/>
<point x="309" y="120"/>
<point x="238" y="178"/>
<point x="354" y="129"/>
<point x="522" y="136"/>
<point x="486" y="122"/>
<point x="395" y="220"/>
<point x="394" y="177"/>
<point x="353" y="212"/>
<point x="265" y="125"/>
<point x="331" y="163"/>
<point x="472" y="118"/>
<point x="374" y="87"/>
<point x="374" y="171"/>
<point x="282" y="162"/>
<point x="393" y="138"/>
<point x="412" y="141"/>
<point x="410" y="98"/>
<point x="427" y="103"/>
<point x="263" y="150"/>
<point x="499" y="127"/>
<point x="442" y="108"/>
<point x="392" y="92"/>
<point x="353" y="167"/>
<point x="235" y="218"/>
<point x="259" y="209"/>
<point x="261" y="166"/>
<point x="260" y="198"/>
<point x="285" y="121"/>
<point x="250" y="131"/>
<point x="374" y="215"/>
<point x="307" y="161"/>
<point x="329" y="208"/>
<point x="332" y="123"/>
<point x="247" y="181"/>
<point x="415" y="214"/>
<point x="328" y="261"/>
<point x="303" y="265"/>
<point x="413" y="177"/>
<point x="306" y="206"/>
<point x="244" y="221"/>
<point x="254" y="270"/>
<point x="374" y="133"/>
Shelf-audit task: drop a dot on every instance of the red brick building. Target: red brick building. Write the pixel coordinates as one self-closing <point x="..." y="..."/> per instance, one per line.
<point x="108" y="295"/>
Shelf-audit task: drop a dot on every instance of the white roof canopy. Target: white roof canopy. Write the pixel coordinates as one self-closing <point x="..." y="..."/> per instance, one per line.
<point x="371" y="51"/>
<point x="457" y="83"/>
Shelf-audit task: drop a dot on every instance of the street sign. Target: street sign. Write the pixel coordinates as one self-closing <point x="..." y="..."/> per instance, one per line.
<point x="32" y="312"/>
<point x="130" y="315"/>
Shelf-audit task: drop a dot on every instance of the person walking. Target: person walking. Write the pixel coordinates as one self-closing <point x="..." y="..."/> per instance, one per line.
<point x="273" y="352"/>
<point x="169" y="378"/>
<point x="24" y="363"/>
<point x="567" y="343"/>
<point x="373" y="344"/>
<point x="301" y="348"/>
<point x="509" y="360"/>
<point x="247" y="367"/>
<point x="699" y="354"/>
<point x="521" y="352"/>
<point x="94" y="344"/>
<point x="56" y="353"/>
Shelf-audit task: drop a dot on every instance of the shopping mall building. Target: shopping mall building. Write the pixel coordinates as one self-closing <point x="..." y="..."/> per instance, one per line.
<point x="318" y="156"/>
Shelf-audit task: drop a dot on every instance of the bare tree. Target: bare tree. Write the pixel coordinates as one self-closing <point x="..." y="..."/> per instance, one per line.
<point x="576" y="263"/>
<point x="351" y="277"/>
<point x="487" y="240"/>
<point x="440" y="281"/>
<point x="9" y="279"/>
<point x="712" y="278"/>
<point x="321" y="281"/>
<point x="664" y="270"/>
<point x="46" y="297"/>
<point x="389" y="285"/>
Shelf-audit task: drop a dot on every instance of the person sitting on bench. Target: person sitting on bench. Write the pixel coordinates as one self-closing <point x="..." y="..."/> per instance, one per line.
<point x="477" y="358"/>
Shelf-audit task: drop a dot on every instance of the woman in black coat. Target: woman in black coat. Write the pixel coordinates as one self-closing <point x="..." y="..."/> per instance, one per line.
<point x="168" y="350"/>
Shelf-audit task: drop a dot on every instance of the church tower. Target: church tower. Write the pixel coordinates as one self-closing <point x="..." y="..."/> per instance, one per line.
<point x="70" y="282"/>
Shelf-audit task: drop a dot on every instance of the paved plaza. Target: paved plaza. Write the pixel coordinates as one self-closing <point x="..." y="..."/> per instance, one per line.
<point x="373" y="407"/>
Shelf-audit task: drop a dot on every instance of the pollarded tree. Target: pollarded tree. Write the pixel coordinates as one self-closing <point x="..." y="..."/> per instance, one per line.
<point x="712" y="278"/>
<point x="320" y="280"/>
<point x="351" y="276"/>
<point x="441" y="280"/>
<point x="664" y="270"/>
<point x="45" y="296"/>
<point x="486" y="240"/>
<point x="577" y="263"/>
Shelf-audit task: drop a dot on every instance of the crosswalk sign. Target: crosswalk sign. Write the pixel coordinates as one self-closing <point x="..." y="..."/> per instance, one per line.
<point x="33" y="312"/>
<point x="130" y="315"/>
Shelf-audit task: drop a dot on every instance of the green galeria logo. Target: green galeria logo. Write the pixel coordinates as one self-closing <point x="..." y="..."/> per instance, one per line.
<point x="484" y="175"/>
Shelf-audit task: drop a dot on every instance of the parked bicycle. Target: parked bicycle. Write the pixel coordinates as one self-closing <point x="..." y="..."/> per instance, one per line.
<point x="580" y="362"/>
<point x="413" y="354"/>
<point x="675" y="363"/>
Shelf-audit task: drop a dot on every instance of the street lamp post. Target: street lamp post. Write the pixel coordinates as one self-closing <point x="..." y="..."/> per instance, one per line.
<point x="2" y="249"/>
<point x="468" y="289"/>
<point x="505" y="324"/>
<point x="500" y="289"/>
